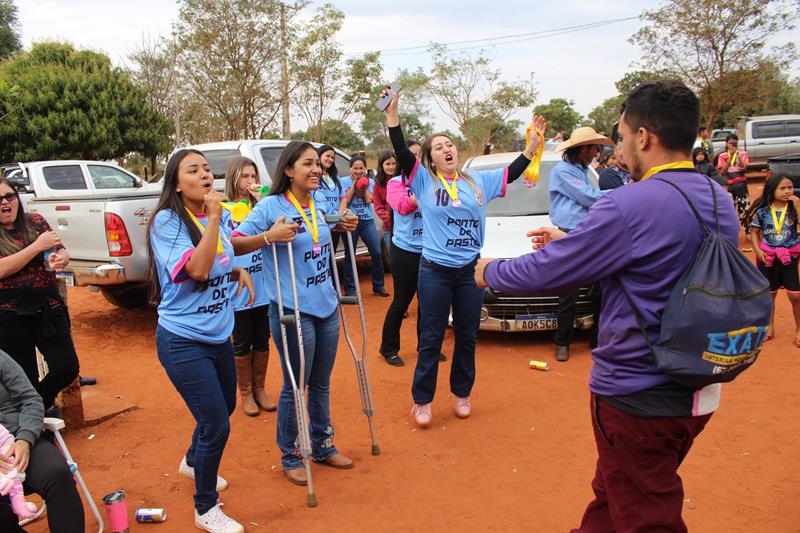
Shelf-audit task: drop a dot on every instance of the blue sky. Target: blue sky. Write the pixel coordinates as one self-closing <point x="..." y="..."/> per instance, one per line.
<point x="580" y="66"/>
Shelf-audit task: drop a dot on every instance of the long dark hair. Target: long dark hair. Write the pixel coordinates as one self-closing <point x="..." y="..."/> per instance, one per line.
<point x="767" y="197"/>
<point x="170" y="200"/>
<point x="281" y="182"/>
<point x="426" y="161"/>
<point x="698" y="151"/>
<point x="332" y="171"/>
<point x="380" y="176"/>
<point x="23" y="225"/>
<point x="233" y="173"/>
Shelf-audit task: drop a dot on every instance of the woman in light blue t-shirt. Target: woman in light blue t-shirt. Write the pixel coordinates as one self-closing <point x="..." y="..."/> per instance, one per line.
<point x="291" y="198"/>
<point x="191" y="266"/>
<point x="453" y="206"/>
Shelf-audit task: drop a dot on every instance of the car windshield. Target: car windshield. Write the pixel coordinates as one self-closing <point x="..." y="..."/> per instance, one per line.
<point x="520" y="199"/>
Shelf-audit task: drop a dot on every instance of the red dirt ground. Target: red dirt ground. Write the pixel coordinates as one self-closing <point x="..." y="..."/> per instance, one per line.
<point x="522" y="462"/>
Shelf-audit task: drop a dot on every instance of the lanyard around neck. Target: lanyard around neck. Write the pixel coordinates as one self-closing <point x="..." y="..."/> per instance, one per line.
<point x="668" y="166"/>
<point x="220" y="249"/>
<point x="452" y="190"/>
<point x="312" y="225"/>
<point x="778" y="222"/>
<point x="732" y="158"/>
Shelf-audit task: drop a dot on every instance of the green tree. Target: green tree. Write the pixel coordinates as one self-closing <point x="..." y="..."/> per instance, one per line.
<point x="229" y="66"/>
<point x="560" y="114"/>
<point x="709" y="44"/>
<point x="327" y="87"/>
<point x="9" y="30"/>
<point x="63" y="103"/>
<point x="336" y="133"/>
<point x="603" y="117"/>
<point x="414" y="114"/>
<point x="468" y="90"/>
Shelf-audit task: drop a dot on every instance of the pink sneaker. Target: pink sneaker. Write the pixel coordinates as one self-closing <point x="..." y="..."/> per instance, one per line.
<point x="463" y="407"/>
<point x="422" y="414"/>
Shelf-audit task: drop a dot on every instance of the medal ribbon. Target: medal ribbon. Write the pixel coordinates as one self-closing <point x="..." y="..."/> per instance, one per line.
<point x="312" y="226"/>
<point x="668" y="166"/>
<point x="452" y="190"/>
<point x="532" y="170"/>
<point x="775" y="220"/>
<point x="732" y="158"/>
<point x="220" y="249"/>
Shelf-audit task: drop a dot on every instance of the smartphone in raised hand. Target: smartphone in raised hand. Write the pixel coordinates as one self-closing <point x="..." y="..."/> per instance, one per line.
<point x="384" y="101"/>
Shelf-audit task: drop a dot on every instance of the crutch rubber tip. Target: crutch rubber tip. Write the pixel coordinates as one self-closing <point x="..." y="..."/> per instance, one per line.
<point x="376" y="450"/>
<point x="312" y="500"/>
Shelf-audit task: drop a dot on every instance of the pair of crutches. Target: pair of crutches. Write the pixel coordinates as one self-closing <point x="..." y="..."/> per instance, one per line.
<point x="299" y="388"/>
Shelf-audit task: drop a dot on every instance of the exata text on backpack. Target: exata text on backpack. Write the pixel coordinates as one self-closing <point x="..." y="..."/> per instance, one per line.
<point x="717" y="317"/>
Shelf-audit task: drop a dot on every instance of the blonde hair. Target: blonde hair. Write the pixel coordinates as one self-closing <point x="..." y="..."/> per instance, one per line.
<point x="427" y="162"/>
<point x="233" y="174"/>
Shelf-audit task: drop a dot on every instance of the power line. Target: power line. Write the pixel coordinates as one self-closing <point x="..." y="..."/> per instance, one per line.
<point x="498" y="40"/>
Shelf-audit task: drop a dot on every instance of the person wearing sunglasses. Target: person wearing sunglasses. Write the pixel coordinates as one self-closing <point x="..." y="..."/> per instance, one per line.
<point x="32" y="312"/>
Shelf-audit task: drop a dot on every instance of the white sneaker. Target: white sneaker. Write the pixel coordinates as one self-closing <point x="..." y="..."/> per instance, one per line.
<point x="188" y="471"/>
<point x="215" y="521"/>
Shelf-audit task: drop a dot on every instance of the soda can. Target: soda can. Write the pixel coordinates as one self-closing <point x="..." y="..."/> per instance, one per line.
<point x="117" y="510"/>
<point x="539" y="365"/>
<point x="151" y="515"/>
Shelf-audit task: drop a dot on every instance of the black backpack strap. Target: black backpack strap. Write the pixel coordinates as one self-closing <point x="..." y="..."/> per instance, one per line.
<point x="692" y="206"/>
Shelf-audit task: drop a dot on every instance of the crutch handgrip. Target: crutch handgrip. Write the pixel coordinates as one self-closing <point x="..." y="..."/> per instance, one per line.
<point x="349" y="300"/>
<point x="287" y="320"/>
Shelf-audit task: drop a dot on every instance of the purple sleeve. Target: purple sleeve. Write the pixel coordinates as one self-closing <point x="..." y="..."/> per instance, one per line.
<point x="596" y="249"/>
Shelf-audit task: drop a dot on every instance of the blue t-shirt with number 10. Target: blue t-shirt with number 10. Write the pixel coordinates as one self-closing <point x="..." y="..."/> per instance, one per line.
<point x="197" y="310"/>
<point x="453" y="236"/>
<point x="312" y="270"/>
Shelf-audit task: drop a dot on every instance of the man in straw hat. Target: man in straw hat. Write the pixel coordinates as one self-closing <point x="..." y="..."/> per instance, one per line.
<point x="637" y="240"/>
<point x="571" y="196"/>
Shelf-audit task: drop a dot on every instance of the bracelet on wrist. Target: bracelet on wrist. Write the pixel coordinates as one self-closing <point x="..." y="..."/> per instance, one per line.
<point x="266" y="240"/>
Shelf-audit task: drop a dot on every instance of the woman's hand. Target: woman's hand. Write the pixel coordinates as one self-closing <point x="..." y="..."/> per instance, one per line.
<point x="281" y="231"/>
<point x="543" y="236"/>
<point x="17" y="457"/>
<point x="245" y="281"/>
<point x="348" y="222"/>
<point x="796" y="201"/>
<point x="213" y="203"/>
<point x="537" y="123"/>
<point x="255" y="190"/>
<point x="58" y="259"/>
<point x="392" y="113"/>
<point x="46" y="241"/>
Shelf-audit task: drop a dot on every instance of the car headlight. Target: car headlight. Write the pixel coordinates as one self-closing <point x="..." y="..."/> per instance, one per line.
<point x="484" y="313"/>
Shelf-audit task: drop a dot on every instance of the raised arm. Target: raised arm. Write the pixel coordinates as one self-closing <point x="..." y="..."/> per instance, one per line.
<point x="518" y="166"/>
<point x="404" y="156"/>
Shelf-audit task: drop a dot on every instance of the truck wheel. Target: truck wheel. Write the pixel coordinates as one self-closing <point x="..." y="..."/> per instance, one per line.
<point x="130" y="296"/>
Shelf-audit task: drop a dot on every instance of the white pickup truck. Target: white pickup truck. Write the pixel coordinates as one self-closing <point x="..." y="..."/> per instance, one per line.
<point x="100" y="212"/>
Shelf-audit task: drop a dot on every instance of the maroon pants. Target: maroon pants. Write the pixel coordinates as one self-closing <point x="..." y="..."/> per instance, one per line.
<point x="636" y="485"/>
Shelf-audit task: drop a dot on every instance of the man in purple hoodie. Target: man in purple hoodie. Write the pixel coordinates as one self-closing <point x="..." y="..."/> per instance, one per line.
<point x="642" y="238"/>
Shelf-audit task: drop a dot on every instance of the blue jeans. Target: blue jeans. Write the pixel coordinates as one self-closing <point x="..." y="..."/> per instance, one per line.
<point x="205" y="377"/>
<point x="320" y="341"/>
<point x="439" y="288"/>
<point x="369" y="234"/>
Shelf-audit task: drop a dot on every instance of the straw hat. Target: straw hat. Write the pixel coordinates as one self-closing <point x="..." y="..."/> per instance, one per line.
<point x="582" y="136"/>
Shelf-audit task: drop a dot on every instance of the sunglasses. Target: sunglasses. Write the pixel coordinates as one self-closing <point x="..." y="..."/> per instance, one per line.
<point x="8" y="197"/>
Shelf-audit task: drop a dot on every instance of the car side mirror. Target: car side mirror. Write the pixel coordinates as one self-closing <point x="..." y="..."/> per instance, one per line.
<point x="19" y="185"/>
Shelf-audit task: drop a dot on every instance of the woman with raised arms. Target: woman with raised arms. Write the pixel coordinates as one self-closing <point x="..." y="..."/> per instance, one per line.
<point x="453" y="206"/>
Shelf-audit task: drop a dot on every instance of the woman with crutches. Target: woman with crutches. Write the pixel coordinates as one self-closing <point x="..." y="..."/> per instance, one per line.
<point x="290" y="199"/>
<point x="453" y="206"/>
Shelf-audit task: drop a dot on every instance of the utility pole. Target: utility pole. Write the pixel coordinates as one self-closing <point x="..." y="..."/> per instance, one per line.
<point x="287" y="127"/>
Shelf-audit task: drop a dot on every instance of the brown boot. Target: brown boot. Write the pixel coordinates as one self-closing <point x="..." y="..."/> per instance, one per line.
<point x="260" y="361"/>
<point x="244" y="376"/>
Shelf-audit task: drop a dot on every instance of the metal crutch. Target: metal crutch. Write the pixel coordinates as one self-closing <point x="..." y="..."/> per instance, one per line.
<point x="361" y="362"/>
<point x="298" y="390"/>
